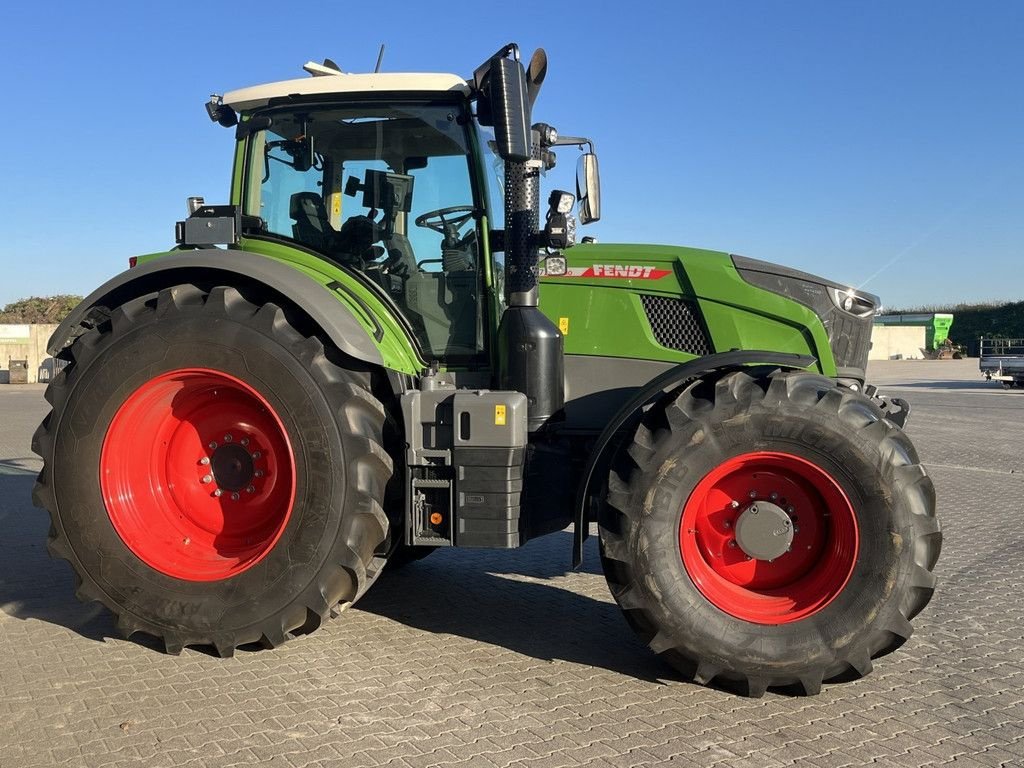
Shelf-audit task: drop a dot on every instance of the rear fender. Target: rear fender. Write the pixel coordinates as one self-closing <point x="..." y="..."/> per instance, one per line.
<point x="600" y="457"/>
<point x="333" y="307"/>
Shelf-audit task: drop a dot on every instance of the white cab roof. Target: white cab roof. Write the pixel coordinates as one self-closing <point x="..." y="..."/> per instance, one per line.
<point x="258" y="95"/>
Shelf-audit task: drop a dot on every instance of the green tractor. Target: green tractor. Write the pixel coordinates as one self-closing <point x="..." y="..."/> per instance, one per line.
<point x="379" y="348"/>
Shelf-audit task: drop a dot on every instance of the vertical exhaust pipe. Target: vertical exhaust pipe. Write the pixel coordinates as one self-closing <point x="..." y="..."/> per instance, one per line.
<point x="530" y="346"/>
<point x="530" y="353"/>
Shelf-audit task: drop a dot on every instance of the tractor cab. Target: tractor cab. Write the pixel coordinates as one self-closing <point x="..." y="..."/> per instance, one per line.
<point x="386" y="190"/>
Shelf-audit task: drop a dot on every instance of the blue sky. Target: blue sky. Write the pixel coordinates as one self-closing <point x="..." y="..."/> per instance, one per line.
<point x="880" y="143"/>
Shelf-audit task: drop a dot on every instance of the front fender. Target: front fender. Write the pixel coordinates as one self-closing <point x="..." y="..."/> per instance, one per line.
<point x="338" y="310"/>
<point x="601" y="455"/>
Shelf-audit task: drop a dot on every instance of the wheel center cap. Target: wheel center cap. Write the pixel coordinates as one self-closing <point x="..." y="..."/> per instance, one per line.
<point x="764" y="531"/>
<point x="232" y="467"/>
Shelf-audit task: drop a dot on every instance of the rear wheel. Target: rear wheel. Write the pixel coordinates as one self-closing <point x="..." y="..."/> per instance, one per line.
<point x="770" y="530"/>
<point x="213" y="476"/>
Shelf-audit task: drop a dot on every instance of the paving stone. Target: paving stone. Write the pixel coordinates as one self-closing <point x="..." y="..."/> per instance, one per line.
<point x="500" y="659"/>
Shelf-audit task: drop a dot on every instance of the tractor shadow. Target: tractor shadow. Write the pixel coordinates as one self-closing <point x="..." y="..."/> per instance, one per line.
<point x="32" y="584"/>
<point x="476" y="595"/>
<point x="953" y="384"/>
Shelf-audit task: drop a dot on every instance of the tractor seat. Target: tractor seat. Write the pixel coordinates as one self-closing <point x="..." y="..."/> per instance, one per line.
<point x="312" y="225"/>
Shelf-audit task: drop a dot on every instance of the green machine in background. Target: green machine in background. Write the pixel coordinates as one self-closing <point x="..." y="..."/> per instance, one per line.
<point x="936" y="324"/>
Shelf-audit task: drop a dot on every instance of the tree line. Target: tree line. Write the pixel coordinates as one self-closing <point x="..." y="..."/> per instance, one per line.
<point x="39" y="309"/>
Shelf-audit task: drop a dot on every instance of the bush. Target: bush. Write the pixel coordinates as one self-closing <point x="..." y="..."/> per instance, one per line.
<point x="39" y="309"/>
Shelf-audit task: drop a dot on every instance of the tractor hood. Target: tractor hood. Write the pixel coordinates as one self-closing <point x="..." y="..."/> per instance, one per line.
<point x="635" y="294"/>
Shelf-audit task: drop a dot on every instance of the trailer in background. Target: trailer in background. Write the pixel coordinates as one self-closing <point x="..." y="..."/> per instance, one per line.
<point x="1002" y="360"/>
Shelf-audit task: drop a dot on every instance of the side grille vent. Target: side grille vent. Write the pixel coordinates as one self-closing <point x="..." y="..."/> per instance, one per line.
<point x="676" y="324"/>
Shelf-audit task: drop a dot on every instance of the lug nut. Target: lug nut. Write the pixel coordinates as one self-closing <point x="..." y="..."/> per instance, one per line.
<point x="727" y="523"/>
<point x="234" y="496"/>
<point x="732" y="543"/>
<point x="789" y="510"/>
<point x="205" y="460"/>
<point x="251" y="489"/>
<point x="753" y="494"/>
<point x="244" y="441"/>
<point x="258" y="473"/>
<point x="774" y="496"/>
<point x="218" y="493"/>
<point x="213" y="445"/>
<point x="256" y="454"/>
<point x="228" y="438"/>
<point x="734" y="504"/>
<point x="207" y="479"/>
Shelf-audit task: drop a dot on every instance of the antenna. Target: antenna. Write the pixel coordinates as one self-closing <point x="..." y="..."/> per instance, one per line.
<point x="380" y="58"/>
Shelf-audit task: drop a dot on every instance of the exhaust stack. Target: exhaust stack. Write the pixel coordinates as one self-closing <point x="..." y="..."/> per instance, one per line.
<point x="530" y="346"/>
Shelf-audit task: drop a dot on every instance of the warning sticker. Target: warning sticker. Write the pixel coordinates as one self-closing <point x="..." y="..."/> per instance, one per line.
<point x="563" y="325"/>
<point x="499" y="415"/>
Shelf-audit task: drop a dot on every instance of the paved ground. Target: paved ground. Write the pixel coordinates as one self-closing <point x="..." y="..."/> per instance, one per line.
<point x="505" y="659"/>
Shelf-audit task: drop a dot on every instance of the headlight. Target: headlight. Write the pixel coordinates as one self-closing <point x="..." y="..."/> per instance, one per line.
<point x="855" y="302"/>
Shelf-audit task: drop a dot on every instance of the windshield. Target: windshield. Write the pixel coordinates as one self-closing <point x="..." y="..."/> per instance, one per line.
<point x="385" y="190"/>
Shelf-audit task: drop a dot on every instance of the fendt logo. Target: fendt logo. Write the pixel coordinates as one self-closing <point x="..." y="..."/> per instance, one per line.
<point x="619" y="271"/>
<point x="627" y="270"/>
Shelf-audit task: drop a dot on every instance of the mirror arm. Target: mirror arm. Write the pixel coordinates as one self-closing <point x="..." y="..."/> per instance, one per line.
<point x="574" y="141"/>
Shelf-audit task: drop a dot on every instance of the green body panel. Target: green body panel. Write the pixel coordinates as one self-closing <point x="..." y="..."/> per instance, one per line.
<point x="606" y="317"/>
<point x="396" y="348"/>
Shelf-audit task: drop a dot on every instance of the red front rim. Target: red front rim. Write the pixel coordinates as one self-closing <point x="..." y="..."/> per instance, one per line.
<point x="792" y="585"/>
<point x="197" y="474"/>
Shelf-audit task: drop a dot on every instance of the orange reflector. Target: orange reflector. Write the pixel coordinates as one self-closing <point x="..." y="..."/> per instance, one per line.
<point x="435" y="518"/>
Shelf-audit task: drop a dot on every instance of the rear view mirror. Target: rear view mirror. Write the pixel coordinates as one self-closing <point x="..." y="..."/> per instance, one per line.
<point x="588" y="188"/>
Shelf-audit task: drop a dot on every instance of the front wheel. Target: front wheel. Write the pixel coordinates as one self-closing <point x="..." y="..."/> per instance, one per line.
<point x="213" y="476"/>
<point x="770" y="530"/>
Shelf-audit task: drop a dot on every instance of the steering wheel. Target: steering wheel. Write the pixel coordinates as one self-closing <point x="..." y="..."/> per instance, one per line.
<point x="447" y="221"/>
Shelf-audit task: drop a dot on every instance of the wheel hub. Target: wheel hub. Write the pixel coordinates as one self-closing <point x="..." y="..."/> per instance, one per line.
<point x="764" y="531"/>
<point x="780" y="555"/>
<point x="233" y="467"/>
<point x="197" y="474"/>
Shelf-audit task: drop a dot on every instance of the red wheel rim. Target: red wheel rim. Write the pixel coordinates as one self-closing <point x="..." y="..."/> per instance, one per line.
<point x="197" y="474"/>
<point x="788" y="587"/>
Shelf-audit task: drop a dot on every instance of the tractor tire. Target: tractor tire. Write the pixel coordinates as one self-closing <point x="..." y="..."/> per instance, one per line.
<point x="213" y="476"/>
<point x="826" y="578"/>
